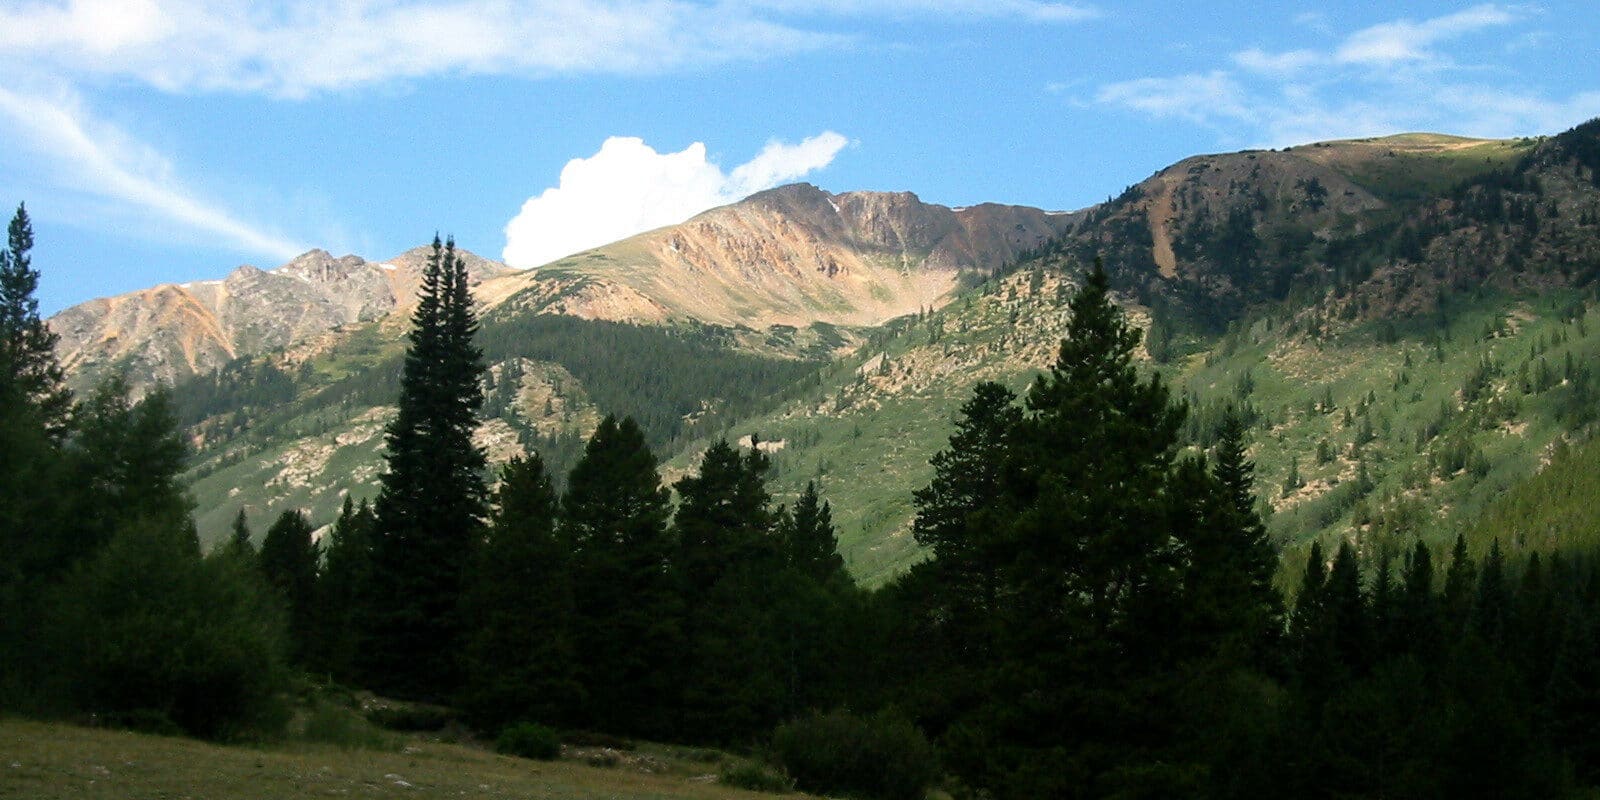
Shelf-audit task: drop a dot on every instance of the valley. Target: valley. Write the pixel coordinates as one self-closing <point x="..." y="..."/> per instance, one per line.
<point x="1354" y="297"/>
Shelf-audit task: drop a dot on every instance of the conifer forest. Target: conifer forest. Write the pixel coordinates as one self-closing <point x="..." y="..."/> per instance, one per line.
<point x="1101" y="612"/>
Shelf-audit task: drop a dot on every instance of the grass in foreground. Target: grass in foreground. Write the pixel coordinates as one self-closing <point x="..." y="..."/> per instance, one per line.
<point x="43" y="761"/>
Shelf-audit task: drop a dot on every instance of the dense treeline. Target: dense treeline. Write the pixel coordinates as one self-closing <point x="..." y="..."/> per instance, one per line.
<point x="106" y="603"/>
<point x="1099" y="618"/>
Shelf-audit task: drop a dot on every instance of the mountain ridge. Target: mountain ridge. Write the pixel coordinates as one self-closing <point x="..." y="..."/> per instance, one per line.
<point x="876" y="255"/>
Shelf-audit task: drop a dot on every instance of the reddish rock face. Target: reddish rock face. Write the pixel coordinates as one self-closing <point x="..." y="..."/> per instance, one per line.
<point x="790" y="256"/>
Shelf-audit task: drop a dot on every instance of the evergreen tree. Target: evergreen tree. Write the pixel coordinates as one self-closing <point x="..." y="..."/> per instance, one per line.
<point x="1090" y="594"/>
<point x="1346" y="612"/>
<point x="341" y="586"/>
<point x="521" y="662"/>
<point x="239" y="544"/>
<point x="431" y="503"/>
<point x="1309" y="644"/>
<point x="1460" y="581"/>
<point x="815" y="604"/>
<point x="1231" y="565"/>
<point x="629" y="618"/>
<point x="729" y="562"/>
<point x="1491" y="609"/>
<point x="1418" y="621"/>
<point x="28" y="369"/>
<point x="960" y="513"/>
<point x="723" y="519"/>
<point x="125" y="462"/>
<point x="809" y="541"/>
<point x="288" y="561"/>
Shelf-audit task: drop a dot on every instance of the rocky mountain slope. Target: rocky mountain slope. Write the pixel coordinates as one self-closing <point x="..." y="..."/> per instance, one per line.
<point x="1409" y="344"/>
<point x="790" y="256"/>
<point x="1406" y="319"/>
<point x="793" y="256"/>
<point x="174" y="331"/>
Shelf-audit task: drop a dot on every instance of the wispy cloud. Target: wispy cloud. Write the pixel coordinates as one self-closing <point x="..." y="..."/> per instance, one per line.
<point x="1031" y="10"/>
<point x="302" y="47"/>
<point x="1395" y="76"/>
<point x="1408" y="40"/>
<point x="627" y="188"/>
<point x="92" y="158"/>
<point x="1197" y="98"/>
<point x="298" y="48"/>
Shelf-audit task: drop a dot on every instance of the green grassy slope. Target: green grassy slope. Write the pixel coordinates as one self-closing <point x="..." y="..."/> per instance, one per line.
<point x="1554" y="508"/>
<point x="1419" y="432"/>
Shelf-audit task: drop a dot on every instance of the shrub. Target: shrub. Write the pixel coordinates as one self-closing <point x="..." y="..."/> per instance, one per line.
<point x="840" y="753"/>
<point x="529" y="740"/>
<point x="147" y="631"/>
<point x="754" y="777"/>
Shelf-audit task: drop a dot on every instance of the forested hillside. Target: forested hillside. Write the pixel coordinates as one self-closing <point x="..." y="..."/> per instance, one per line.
<point x="1405" y="320"/>
<point x="1396" y="399"/>
<point x="1100" y="618"/>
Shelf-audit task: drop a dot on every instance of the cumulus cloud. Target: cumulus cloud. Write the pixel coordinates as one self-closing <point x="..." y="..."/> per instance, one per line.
<point x="1396" y="76"/>
<point x="627" y="188"/>
<point x="98" y="160"/>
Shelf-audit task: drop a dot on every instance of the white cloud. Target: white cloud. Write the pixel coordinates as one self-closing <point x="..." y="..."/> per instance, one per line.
<point x="300" y="47"/>
<point x="1387" y="78"/>
<point x="95" y="159"/>
<point x="295" y="48"/>
<point x="1405" y="40"/>
<point x="627" y="188"/>
<point x="1288" y="63"/>
<point x="1031" y="10"/>
<point x="1197" y="98"/>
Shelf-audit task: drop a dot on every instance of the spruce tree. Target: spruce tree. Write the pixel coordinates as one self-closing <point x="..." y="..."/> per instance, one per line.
<point x="1460" y="583"/>
<point x="288" y="560"/>
<point x="1090" y="577"/>
<point x="1231" y="565"/>
<point x="729" y="562"/>
<point x="629" y="619"/>
<point x="239" y="544"/>
<point x="1491" y="609"/>
<point x="521" y="661"/>
<point x="961" y="513"/>
<point x="431" y="503"/>
<point x="809" y="541"/>
<point x="723" y="519"/>
<point x="1307" y="623"/>
<point x="341" y="587"/>
<point x="1418" y="614"/>
<point x="28" y="369"/>
<point x="1346" y="612"/>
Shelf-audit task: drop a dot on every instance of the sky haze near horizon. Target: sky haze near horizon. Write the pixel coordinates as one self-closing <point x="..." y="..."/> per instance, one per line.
<point x="172" y="140"/>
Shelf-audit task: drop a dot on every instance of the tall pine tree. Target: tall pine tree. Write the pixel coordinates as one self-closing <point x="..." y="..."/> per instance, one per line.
<point x="431" y="504"/>
<point x="28" y="370"/>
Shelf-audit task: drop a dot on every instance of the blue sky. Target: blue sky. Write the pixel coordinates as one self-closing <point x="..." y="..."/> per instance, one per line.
<point x="171" y="140"/>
